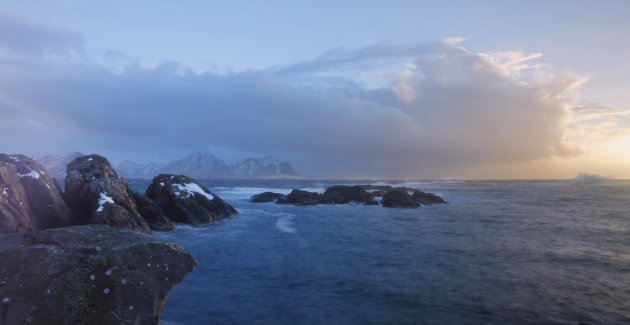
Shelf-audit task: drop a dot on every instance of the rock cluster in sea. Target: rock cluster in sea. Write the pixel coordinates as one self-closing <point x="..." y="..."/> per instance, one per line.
<point x="391" y="197"/>
<point x="84" y="256"/>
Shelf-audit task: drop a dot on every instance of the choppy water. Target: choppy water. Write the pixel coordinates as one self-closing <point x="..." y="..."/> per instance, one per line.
<point x="540" y="252"/>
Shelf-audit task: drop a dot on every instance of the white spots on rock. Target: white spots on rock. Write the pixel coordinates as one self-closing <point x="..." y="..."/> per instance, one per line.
<point x="48" y="291"/>
<point x="141" y="283"/>
<point x="103" y="200"/>
<point x="48" y="185"/>
<point x="148" y="264"/>
<point x="108" y="272"/>
<point x="124" y="281"/>
<point x="6" y="300"/>
<point x="106" y="291"/>
<point x="42" y="172"/>
<point x="4" y="192"/>
<point x="162" y="184"/>
<point x="90" y="159"/>
<point x="98" y="248"/>
<point x="92" y="277"/>
<point x="32" y="174"/>
<point x="130" y="307"/>
<point x="189" y="190"/>
<point x="166" y="279"/>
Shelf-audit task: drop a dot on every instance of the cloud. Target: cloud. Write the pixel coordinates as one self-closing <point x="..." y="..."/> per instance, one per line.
<point x="18" y="36"/>
<point x="429" y="109"/>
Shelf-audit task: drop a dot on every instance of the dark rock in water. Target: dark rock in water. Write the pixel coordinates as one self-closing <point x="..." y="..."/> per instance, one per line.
<point x="97" y="195"/>
<point x="419" y="196"/>
<point x="300" y="197"/>
<point x="30" y="192"/>
<point x="92" y="274"/>
<point x="399" y="199"/>
<point x="425" y="198"/>
<point x="266" y="197"/>
<point x="344" y="194"/>
<point x="183" y="199"/>
<point x="152" y="213"/>
<point x="382" y="188"/>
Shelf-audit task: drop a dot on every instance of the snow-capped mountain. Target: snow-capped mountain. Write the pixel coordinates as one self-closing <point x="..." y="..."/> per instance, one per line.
<point x="56" y="163"/>
<point x="199" y="165"/>
<point x="138" y="170"/>
<point x="207" y="165"/>
<point x="267" y="167"/>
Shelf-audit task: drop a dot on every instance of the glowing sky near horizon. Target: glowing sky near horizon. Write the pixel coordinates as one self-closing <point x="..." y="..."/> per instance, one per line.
<point x="402" y="89"/>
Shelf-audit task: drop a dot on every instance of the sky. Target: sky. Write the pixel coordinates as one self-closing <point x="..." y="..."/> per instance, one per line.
<point x="371" y="89"/>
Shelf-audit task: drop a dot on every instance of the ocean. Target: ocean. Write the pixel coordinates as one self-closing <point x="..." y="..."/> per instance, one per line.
<point x="500" y="252"/>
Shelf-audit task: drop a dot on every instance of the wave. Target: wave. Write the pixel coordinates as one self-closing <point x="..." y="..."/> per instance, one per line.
<point x="285" y="223"/>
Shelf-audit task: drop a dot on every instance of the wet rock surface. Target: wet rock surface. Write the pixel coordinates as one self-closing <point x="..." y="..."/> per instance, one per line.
<point x="266" y="197"/>
<point x="97" y="195"/>
<point x="185" y="200"/>
<point x="92" y="274"/>
<point x="30" y="198"/>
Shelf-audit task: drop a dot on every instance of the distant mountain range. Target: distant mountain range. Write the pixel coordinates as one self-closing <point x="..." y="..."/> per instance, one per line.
<point x="56" y="163"/>
<point x="196" y="165"/>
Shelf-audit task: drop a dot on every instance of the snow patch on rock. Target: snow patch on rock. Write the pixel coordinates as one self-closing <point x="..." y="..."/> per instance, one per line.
<point x="32" y="174"/>
<point x="102" y="200"/>
<point x="189" y="190"/>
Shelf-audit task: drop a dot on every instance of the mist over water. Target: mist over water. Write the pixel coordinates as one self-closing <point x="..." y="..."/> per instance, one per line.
<point x="525" y="252"/>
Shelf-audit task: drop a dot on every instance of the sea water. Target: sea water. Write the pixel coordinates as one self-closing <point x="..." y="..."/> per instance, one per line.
<point x="508" y="252"/>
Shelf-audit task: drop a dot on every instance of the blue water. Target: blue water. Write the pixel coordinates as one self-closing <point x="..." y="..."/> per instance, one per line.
<point x="526" y="252"/>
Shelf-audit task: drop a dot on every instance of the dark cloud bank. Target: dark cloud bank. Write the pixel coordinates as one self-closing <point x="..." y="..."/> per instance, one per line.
<point x="348" y="113"/>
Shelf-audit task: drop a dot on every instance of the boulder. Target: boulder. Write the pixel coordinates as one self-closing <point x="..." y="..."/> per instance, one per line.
<point x="266" y="197"/>
<point x="152" y="213"/>
<point x="97" y="195"/>
<point x="300" y="197"/>
<point x="399" y="199"/>
<point x="15" y="212"/>
<point x="426" y="198"/>
<point x="30" y="192"/>
<point x="344" y="194"/>
<point x="185" y="200"/>
<point x="93" y="274"/>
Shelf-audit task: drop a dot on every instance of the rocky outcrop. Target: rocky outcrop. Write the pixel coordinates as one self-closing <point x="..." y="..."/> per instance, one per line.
<point x="185" y="200"/>
<point x="426" y="198"/>
<point x="97" y="195"/>
<point x="266" y="197"/>
<point x="152" y="213"/>
<point x="399" y="199"/>
<point x="92" y="274"/>
<point x="30" y="198"/>
<point x="344" y="194"/>
<point x="300" y="197"/>
<point x="15" y="212"/>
